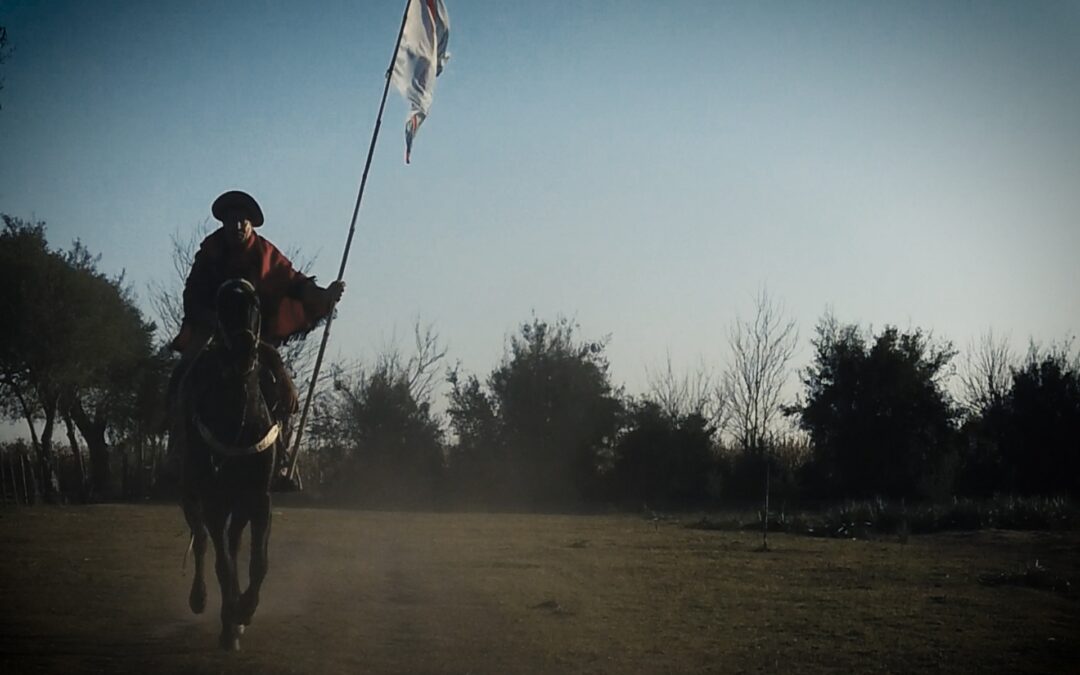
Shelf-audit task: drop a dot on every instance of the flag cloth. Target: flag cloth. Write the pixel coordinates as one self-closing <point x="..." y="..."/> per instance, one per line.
<point x="420" y="59"/>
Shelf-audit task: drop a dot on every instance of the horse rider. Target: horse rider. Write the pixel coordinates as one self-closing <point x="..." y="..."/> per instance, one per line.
<point x="290" y="301"/>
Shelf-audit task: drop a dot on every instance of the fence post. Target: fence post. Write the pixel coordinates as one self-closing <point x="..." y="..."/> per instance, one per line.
<point x="23" y="459"/>
<point x="11" y="474"/>
<point x="3" y="477"/>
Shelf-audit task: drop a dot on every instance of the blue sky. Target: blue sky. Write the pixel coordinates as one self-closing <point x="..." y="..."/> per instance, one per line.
<point x="642" y="167"/>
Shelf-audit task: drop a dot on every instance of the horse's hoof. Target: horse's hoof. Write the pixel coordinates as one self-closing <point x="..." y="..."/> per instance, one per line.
<point x="230" y="641"/>
<point x="245" y="607"/>
<point x="197" y="600"/>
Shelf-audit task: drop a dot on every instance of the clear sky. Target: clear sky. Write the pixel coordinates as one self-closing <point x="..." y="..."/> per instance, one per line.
<point x="643" y="167"/>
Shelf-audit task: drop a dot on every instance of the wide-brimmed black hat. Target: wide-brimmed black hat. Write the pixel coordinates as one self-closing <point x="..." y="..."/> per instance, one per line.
<point x="235" y="200"/>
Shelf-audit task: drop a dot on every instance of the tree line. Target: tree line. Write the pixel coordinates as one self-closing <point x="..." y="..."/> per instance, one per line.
<point x="77" y="353"/>
<point x="546" y="427"/>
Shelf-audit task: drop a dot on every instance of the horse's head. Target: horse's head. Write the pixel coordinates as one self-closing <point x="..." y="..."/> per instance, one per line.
<point x="228" y="409"/>
<point x="238" y="322"/>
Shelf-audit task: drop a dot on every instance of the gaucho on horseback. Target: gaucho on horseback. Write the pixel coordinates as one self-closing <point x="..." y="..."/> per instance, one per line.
<point x="290" y="301"/>
<point x="231" y="397"/>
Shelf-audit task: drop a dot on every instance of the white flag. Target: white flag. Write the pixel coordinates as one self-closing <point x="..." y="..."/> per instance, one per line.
<point x="420" y="59"/>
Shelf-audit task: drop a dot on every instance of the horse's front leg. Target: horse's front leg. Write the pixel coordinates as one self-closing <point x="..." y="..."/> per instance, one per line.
<point x="195" y="473"/>
<point x="199" y="535"/>
<point x="237" y="523"/>
<point x="260" y="557"/>
<point x="225" y="566"/>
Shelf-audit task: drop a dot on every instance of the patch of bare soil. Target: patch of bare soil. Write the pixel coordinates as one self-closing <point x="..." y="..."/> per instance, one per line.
<point x="101" y="588"/>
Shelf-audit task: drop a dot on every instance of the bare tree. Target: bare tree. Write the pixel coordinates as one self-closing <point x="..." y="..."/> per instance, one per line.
<point x="167" y="295"/>
<point x="419" y="371"/>
<point x="696" y="392"/>
<point x="986" y="371"/>
<point x="377" y="409"/>
<point x="761" y="350"/>
<point x="753" y="385"/>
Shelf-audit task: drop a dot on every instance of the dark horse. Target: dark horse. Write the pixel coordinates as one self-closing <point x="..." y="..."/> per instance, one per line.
<point x="230" y="442"/>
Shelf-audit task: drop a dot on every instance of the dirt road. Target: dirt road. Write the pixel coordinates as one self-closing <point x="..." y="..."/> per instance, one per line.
<point x="89" y="589"/>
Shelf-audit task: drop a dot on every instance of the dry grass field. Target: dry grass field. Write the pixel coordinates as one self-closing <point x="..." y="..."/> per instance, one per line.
<point x="101" y="589"/>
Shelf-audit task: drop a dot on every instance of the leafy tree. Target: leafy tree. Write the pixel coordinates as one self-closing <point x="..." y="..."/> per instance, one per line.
<point x="108" y="396"/>
<point x="478" y="465"/>
<point x="546" y="420"/>
<point x="557" y="409"/>
<point x="877" y="413"/>
<point x="1041" y="425"/>
<point x="663" y="458"/>
<point x="32" y="342"/>
<point x="74" y="350"/>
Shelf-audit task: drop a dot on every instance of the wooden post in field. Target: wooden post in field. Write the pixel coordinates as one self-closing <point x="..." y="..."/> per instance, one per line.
<point x="765" y="520"/>
<point x="23" y="460"/>
<point x="35" y="493"/>
<point x="141" y="460"/>
<point x="11" y="475"/>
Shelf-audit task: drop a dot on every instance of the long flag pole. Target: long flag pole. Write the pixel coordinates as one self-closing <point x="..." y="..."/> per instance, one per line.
<point x="348" y="245"/>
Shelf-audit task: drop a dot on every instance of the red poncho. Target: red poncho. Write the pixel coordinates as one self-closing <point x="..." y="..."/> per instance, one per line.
<point x="279" y="285"/>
